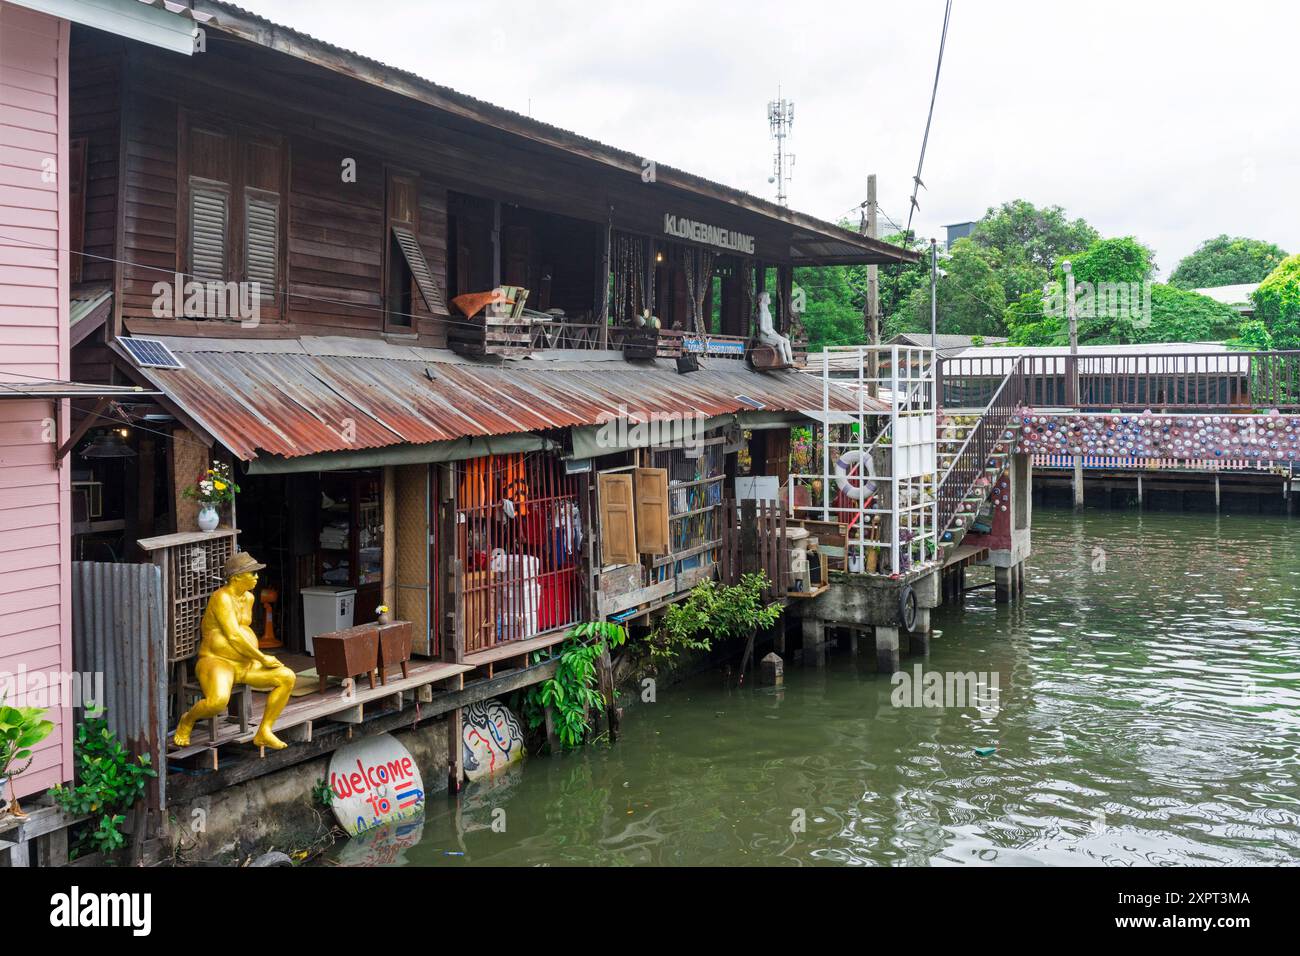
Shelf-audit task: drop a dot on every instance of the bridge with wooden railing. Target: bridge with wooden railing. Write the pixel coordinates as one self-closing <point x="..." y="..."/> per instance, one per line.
<point x="1161" y="379"/>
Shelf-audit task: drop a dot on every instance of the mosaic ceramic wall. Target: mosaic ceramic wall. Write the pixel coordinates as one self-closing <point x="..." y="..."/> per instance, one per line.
<point x="1259" y="438"/>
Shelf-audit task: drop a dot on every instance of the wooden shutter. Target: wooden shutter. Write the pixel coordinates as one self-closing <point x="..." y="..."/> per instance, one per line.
<point x="652" y="510"/>
<point x="262" y="238"/>
<point x="419" y="267"/>
<point x="617" y="519"/>
<point x="209" y="229"/>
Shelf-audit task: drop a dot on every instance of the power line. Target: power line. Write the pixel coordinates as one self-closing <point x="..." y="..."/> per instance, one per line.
<point x="934" y="92"/>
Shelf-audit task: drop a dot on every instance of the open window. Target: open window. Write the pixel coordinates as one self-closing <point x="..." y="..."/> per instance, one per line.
<point x="406" y="270"/>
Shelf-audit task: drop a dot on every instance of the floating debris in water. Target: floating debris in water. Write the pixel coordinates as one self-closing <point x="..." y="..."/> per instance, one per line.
<point x="985" y="751"/>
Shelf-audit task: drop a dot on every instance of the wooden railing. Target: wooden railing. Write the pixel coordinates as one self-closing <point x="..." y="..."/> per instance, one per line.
<point x="973" y="456"/>
<point x="1131" y="381"/>
<point x="754" y="539"/>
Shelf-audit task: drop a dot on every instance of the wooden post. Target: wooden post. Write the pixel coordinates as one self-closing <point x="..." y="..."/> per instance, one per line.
<point x="455" y="744"/>
<point x="748" y="536"/>
<point x="605" y="670"/>
<point x="602" y="284"/>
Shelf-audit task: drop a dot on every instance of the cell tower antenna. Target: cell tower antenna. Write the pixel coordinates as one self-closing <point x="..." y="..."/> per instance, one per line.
<point x="780" y="117"/>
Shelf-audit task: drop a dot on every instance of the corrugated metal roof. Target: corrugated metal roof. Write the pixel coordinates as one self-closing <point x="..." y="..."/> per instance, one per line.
<point x="302" y="397"/>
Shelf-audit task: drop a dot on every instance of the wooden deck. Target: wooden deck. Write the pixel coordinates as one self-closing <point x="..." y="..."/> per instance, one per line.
<point x="295" y="722"/>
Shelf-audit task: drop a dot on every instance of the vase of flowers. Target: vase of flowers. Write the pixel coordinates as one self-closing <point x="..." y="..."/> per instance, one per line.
<point x="381" y="615"/>
<point x="214" y="487"/>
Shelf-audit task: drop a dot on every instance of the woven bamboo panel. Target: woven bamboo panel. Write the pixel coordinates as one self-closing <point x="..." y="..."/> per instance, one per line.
<point x="412" y="546"/>
<point x="193" y="574"/>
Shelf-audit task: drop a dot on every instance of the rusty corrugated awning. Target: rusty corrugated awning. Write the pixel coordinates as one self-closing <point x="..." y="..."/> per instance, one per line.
<point x="292" y="398"/>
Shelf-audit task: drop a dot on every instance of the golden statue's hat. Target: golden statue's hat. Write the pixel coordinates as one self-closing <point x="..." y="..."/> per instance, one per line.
<point x="241" y="562"/>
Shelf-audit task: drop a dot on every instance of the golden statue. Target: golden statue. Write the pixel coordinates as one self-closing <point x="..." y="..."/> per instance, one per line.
<point x="229" y="655"/>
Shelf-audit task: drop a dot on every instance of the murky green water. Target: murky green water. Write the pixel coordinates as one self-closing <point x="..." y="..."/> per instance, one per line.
<point x="1148" y="713"/>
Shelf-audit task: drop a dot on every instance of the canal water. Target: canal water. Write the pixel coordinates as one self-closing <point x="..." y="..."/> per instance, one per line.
<point x="1147" y="712"/>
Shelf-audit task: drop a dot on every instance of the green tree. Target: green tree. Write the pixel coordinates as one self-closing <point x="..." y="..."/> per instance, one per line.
<point x="971" y="298"/>
<point x="1022" y="233"/>
<point x="1277" y="304"/>
<point x="1227" y="260"/>
<point x="833" y="310"/>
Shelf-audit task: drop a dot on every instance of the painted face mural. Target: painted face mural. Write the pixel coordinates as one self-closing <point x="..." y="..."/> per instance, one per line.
<point x="493" y="738"/>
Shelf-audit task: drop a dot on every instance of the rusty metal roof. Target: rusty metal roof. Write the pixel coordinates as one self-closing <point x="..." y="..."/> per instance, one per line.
<point x="306" y="396"/>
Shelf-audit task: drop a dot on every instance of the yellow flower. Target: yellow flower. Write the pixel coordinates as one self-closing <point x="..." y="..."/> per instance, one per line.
<point x="219" y="485"/>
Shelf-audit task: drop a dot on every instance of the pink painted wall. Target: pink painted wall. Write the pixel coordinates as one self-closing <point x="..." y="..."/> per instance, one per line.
<point x="35" y="533"/>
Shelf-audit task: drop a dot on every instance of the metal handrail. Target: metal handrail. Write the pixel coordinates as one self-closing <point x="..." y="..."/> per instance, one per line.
<point x="969" y="462"/>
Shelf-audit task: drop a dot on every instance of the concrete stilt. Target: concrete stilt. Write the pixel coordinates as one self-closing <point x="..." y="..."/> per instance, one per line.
<point x="1218" y="498"/>
<point x="814" y="642"/>
<point x="1002" y="585"/>
<point x="887" y="650"/>
<point x="853" y="641"/>
<point x="1139" y="477"/>
<point x="918" y="641"/>
<point x="772" y="670"/>
<point x="1078" y="483"/>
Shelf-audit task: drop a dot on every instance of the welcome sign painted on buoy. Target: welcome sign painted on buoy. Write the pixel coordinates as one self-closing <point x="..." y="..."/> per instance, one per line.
<point x="375" y="782"/>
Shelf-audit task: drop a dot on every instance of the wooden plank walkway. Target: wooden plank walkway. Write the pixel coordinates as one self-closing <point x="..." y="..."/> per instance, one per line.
<point x="302" y="711"/>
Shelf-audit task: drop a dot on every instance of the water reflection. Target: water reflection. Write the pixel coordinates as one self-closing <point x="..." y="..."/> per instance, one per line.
<point x="1147" y="715"/>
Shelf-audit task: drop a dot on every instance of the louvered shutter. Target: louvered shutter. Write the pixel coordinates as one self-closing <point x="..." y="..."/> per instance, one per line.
<point x="617" y="519"/>
<point x="419" y="266"/>
<point x="652" y="510"/>
<point x="262" y="239"/>
<point x="209" y="230"/>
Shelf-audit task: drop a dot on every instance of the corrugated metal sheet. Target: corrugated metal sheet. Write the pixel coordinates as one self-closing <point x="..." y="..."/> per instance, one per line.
<point x="295" y="402"/>
<point x="118" y="630"/>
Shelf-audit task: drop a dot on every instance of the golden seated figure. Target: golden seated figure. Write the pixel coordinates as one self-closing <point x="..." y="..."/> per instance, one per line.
<point x="229" y="655"/>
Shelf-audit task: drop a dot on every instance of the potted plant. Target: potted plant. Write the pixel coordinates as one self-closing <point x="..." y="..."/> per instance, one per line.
<point x="21" y="729"/>
<point x="214" y="486"/>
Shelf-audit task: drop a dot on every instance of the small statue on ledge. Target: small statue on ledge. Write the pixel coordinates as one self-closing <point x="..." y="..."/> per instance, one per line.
<point x="229" y="655"/>
<point x="767" y="333"/>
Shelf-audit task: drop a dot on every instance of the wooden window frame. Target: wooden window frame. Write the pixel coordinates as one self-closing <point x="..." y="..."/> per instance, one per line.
<point x="411" y="325"/>
<point x="240" y="136"/>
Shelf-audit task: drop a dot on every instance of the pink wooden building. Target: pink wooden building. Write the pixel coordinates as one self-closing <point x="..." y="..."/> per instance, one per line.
<point x="35" y="394"/>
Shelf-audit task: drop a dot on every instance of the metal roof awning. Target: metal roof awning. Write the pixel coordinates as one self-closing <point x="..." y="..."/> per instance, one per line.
<point x="163" y="23"/>
<point x="49" y="390"/>
<point x="274" y="401"/>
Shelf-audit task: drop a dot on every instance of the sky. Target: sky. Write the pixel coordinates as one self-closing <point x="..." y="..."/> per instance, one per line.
<point x="1169" y="121"/>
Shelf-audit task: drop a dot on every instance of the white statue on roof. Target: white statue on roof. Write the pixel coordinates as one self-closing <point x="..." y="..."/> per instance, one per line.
<point x="767" y="333"/>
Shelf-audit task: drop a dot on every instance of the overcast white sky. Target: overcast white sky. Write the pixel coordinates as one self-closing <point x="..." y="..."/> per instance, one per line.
<point x="1169" y="121"/>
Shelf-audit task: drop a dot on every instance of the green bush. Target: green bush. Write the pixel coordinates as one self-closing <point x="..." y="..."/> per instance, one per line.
<point x="108" y="780"/>
<point x="712" y="612"/>
<point x="571" y="694"/>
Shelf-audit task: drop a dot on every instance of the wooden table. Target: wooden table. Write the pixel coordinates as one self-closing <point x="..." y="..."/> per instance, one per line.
<point x="347" y="653"/>
<point x="395" y="641"/>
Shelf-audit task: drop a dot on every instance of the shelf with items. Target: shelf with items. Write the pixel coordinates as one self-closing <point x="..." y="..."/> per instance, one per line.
<point x="350" y="541"/>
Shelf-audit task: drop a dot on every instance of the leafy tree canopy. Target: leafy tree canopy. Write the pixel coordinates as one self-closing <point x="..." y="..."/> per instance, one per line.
<point x="1227" y="260"/>
<point x="1277" y="306"/>
<point x="1024" y="233"/>
<point x="971" y="296"/>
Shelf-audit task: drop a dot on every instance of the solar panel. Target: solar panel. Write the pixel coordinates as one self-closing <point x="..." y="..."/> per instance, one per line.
<point x="751" y="402"/>
<point x="151" y="353"/>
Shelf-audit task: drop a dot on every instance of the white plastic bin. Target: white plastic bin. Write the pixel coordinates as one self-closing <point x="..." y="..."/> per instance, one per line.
<point x="326" y="608"/>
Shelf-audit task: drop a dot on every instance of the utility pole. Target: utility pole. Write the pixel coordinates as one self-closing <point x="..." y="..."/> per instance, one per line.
<point x="871" y="308"/>
<point x="1072" y="377"/>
